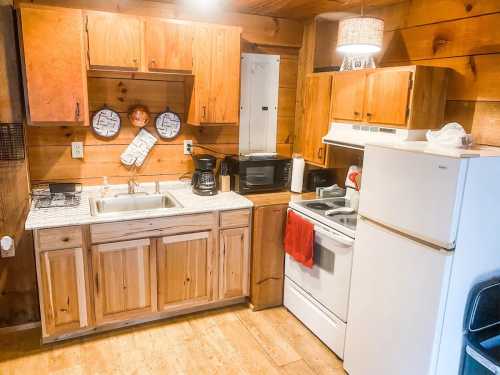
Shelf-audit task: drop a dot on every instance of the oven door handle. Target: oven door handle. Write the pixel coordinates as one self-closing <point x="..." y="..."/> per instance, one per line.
<point x="347" y="242"/>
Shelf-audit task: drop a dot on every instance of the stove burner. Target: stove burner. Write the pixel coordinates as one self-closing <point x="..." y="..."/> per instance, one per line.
<point x="318" y="206"/>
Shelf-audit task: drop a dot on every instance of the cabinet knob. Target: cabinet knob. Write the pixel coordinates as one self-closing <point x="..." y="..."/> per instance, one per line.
<point x="369" y="114"/>
<point x="356" y="113"/>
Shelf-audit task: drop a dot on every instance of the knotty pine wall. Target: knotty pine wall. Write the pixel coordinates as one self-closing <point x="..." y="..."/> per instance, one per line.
<point x="462" y="35"/>
<point x="18" y="293"/>
<point x="49" y="148"/>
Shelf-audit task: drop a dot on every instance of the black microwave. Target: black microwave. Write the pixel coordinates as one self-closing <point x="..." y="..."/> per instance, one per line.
<point x="254" y="174"/>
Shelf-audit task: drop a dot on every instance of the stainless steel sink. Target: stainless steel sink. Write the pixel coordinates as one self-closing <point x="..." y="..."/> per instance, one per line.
<point x="132" y="202"/>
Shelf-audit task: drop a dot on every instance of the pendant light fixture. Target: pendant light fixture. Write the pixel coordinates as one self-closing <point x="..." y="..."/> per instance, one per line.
<point x="358" y="39"/>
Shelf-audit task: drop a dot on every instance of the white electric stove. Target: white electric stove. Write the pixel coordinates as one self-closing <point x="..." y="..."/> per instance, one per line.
<point x="319" y="296"/>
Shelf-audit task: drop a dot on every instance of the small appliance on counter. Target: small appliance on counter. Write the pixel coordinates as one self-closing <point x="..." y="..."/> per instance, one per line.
<point x="203" y="180"/>
<point x="319" y="178"/>
<point x="259" y="173"/>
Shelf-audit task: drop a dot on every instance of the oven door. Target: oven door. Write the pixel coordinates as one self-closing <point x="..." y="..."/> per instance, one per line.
<point x="328" y="281"/>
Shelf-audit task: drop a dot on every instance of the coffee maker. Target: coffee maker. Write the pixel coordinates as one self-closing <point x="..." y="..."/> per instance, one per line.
<point x="203" y="177"/>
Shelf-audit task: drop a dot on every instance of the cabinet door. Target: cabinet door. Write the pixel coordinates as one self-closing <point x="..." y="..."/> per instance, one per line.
<point x="185" y="270"/>
<point x="54" y="65"/>
<point x="234" y="267"/>
<point x="225" y="81"/>
<point x="200" y="96"/>
<point x="348" y="96"/>
<point x="123" y="278"/>
<point x="215" y="95"/>
<point x="317" y="96"/>
<point x="63" y="296"/>
<point x="268" y="256"/>
<point x="387" y="97"/>
<point x="168" y="45"/>
<point x="114" y="41"/>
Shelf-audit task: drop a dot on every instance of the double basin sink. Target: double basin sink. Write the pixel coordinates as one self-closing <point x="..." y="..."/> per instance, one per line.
<point x="132" y="202"/>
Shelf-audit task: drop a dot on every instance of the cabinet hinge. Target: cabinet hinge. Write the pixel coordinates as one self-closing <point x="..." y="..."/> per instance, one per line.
<point x="410" y="84"/>
<point x="407" y="112"/>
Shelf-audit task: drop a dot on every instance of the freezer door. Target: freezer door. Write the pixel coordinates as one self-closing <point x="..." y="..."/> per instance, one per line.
<point x="413" y="192"/>
<point x="396" y="308"/>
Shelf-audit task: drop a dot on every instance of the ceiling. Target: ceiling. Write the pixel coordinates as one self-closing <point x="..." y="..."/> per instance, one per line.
<point x="296" y="9"/>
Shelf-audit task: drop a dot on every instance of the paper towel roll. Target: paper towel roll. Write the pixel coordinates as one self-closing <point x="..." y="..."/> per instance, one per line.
<point x="298" y="165"/>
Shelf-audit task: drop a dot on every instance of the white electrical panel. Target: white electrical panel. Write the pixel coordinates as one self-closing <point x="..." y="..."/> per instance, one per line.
<point x="259" y="103"/>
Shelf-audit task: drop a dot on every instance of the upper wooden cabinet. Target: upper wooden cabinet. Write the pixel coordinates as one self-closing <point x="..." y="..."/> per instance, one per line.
<point x="114" y="41"/>
<point x="412" y="97"/>
<point x="168" y="45"/>
<point x="215" y="95"/>
<point x="185" y="266"/>
<point x="123" y="286"/>
<point x="348" y="96"/>
<point x="63" y="298"/>
<point x="317" y="97"/>
<point x="384" y="87"/>
<point x="53" y="65"/>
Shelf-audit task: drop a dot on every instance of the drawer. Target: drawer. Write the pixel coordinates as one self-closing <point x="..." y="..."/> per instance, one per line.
<point x="60" y="238"/>
<point x="329" y="328"/>
<point x="157" y="227"/>
<point x="236" y="218"/>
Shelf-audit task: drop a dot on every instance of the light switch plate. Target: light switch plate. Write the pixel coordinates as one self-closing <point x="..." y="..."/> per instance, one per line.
<point x="77" y="150"/>
<point x="7" y="247"/>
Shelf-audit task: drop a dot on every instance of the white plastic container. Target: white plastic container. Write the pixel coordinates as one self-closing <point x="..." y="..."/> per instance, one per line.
<point x="298" y="165"/>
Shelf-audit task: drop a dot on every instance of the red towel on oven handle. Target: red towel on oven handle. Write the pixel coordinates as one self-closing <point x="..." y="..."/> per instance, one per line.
<point x="299" y="239"/>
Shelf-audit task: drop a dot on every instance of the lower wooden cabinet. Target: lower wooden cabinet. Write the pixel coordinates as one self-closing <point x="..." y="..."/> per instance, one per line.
<point x="185" y="265"/>
<point x="235" y="261"/>
<point x="123" y="280"/>
<point x="268" y="256"/>
<point x="63" y="298"/>
<point x="90" y="281"/>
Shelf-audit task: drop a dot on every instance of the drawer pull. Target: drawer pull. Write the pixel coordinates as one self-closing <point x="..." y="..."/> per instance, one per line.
<point x="65" y="239"/>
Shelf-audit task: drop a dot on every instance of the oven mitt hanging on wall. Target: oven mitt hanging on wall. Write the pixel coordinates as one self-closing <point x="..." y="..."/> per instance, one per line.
<point x="136" y="152"/>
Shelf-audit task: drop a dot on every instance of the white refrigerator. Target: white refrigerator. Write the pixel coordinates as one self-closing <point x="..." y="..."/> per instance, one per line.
<point x="429" y="229"/>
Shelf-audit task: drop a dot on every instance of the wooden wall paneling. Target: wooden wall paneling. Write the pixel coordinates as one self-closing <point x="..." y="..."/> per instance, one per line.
<point x="420" y="12"/>
<point x="11" y="108"/>
<point x="480" y="118"/>
<point x="471" y="77"/>
<point x="468" y="36"/>
<point x="305" y="67"/>
<point x="461" y="36"/>
<point x="256" y="29"/>
<point x="54" y="65"/>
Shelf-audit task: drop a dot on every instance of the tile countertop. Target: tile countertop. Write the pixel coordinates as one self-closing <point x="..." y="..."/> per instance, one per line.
<point x="181" y="191"/>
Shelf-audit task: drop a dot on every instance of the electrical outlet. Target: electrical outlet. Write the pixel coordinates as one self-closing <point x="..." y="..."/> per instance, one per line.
<point x="77" y="150"/>
<point x="188" y="147"/>
<point x="7" y="247"/>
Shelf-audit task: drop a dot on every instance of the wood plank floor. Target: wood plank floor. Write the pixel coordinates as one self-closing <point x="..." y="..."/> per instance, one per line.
<point x="233" y="340"/>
